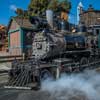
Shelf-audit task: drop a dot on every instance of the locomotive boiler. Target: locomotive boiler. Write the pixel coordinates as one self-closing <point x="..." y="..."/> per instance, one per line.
<point x="49" y="44"/>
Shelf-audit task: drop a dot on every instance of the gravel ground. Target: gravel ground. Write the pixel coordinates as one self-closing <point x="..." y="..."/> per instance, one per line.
<point x="37" y="95"/>
<point x="4" y="68"/>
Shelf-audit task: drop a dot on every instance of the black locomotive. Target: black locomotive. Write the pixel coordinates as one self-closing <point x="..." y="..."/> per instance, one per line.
<point x="55" y="50"/>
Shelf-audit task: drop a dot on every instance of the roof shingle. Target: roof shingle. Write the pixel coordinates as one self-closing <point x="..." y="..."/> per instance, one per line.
<point x="23" y="22"/>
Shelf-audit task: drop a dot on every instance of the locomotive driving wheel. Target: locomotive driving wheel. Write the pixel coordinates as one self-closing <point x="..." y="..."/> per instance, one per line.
<point x="91" y="61"/>
<point x="83" y="62"/>
<point x="45" y="74"/>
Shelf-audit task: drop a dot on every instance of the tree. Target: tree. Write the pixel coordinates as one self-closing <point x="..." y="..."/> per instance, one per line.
<point x="19" y="11"/>
<point x="65" y="6"/>
<point x="37" y="7"/>
<point x="53" y="5"/>
<point x="60" y="5"/>
<point x="22" y="13"/>
<point x="61" y="8"/>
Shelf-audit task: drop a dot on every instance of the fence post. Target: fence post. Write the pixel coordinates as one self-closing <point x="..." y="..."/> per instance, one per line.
<point x="23" y="56"/>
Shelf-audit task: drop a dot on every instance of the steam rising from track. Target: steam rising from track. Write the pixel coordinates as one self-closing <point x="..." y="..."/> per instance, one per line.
<point x="85" y="85"/>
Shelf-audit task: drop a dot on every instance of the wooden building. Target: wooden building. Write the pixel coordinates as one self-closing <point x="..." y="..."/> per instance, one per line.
<point x="20" y="36"/>
<point x="91" y="19"/>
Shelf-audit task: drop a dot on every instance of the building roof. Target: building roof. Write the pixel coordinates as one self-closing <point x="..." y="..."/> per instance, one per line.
<point x="22" y="22"/>
<point x="97" y="11"/>
<point x="25" y="23"/>
<point x="90" y="9"/>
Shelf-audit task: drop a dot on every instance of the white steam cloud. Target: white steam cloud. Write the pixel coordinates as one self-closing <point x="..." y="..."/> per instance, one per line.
<point x="85" y="85"/>
<point x="13" y="7"/>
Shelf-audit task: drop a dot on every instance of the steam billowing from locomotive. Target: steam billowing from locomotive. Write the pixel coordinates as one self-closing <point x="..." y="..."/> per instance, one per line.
<point x="77" y="86"/>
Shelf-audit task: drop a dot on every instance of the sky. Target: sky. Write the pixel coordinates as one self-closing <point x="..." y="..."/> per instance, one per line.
<point x="7" y="8"/>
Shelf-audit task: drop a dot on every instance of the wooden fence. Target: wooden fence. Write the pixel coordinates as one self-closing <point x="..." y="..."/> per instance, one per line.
<point x="10" y="58"/>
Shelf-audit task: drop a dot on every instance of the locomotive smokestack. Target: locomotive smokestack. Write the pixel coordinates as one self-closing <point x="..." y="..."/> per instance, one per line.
<point x="49" y="16"/>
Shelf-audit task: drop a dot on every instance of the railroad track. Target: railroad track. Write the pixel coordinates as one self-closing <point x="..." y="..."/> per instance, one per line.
<point x="3" y="74"/>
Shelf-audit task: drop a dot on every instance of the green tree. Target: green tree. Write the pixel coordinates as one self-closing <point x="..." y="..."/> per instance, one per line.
<point x="22" y="13"/>
<point x="53" y="5"/>
<point x="65" y="5"/>
<point x="60" y="5"/>
<point x="37" y="7"/>
<point x="19" y="12"/>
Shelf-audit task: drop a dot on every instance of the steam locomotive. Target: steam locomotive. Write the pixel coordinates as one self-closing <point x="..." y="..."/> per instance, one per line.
<point x="56" y="49"/>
